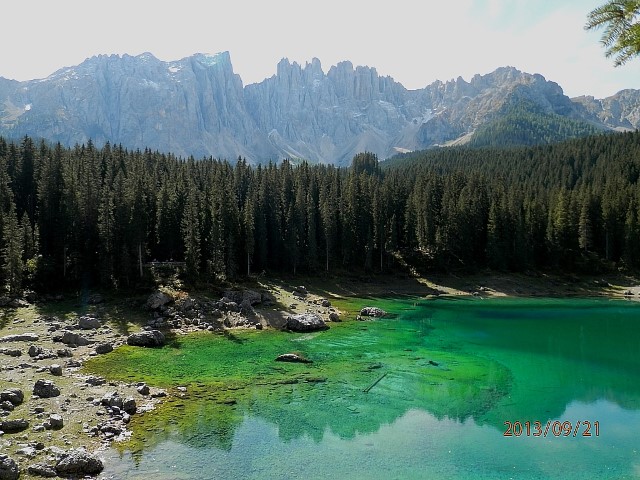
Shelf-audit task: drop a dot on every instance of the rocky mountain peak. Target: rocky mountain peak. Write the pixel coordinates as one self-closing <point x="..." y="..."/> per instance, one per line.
<point x="198" y="106"/>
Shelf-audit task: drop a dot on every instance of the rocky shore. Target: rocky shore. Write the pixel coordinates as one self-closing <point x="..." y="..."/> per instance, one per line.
<point x="55" y="418"/>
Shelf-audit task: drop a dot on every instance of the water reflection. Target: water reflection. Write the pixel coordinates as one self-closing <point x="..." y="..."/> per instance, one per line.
<point x="454" y="375"/>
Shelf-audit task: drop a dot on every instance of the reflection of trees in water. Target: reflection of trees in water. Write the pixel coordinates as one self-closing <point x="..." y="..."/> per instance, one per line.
<point x="327" y="399"/>
<point x="448" y="376"/>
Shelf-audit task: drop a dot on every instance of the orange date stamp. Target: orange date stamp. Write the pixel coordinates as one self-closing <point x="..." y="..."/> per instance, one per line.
<point x="580" y="428"/>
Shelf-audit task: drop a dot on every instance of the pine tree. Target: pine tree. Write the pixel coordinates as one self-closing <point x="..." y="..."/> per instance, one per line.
<point x="12" y="252"/>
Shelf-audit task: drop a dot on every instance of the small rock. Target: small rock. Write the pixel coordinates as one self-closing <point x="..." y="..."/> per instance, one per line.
<point x="56" y="421"/>
<point x="27" y="451"/>
<point x="88" y="322"/>
<point x="306" y="322"/>
<point x="129" y="406"/>
<point x="293" y="358"/>
<point x="55" y="369"/>
<point x="95" y="381"/>
<point x="334" y="317"/>
<point x="14" y="426"/>
<point x="41" y="470"/>
<point x="325" y="303"/>
<point x="45" y="389"/>
<point x="143" y="389"/>
<point x="7" y="405"/>
<point x="70" y="338"/>
<point x="8" y="468"/>
<point x="301" y="290"/>
<point x="151" y="338"/>
<point x="11" y="352"/>
<point x="22" y="337"/>
<point x="35" y="350"/>
<point x="78" y="462"/>
<point x="103" y="348"/>
<point x="157" y="300"/>
<point x="13" y="395"/>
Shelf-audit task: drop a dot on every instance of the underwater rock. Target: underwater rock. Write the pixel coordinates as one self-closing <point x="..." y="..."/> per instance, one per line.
<point x="306" y="322"/>
<point x="292" y="358"/>
<point x="372" y="312"/>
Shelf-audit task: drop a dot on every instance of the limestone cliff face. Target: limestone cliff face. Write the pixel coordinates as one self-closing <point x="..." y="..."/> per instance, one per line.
<point x="198" y="106"/>
<point x="619" y="111"/>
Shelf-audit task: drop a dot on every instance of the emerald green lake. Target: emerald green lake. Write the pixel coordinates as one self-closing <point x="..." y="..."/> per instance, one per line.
<point x="450" y="373"/>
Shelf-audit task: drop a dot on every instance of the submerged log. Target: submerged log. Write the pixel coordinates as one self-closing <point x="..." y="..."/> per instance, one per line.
<point x="366" y="390"/>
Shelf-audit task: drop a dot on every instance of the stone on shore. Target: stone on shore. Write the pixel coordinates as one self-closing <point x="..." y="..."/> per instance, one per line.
<point x="8" y="468"/>
<point x="14" y="426"/>
<point x="78" y="462"/>
<point x="71" y="338"/>
<point x="103" y="348"/>
<point x="45" y="389"/>
<point x="13" y="395"/>
<point x="55" y="370"/>
<point x="158" y="300"/>
<point x="147" y="338"/>
<point x="20" y="337"/>
<point x="41" y="470"/>
<point x="89" y="322"/>
<point x="306" y="322"/>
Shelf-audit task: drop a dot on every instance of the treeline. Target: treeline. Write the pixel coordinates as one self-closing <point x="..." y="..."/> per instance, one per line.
<point x="83" y="215"/>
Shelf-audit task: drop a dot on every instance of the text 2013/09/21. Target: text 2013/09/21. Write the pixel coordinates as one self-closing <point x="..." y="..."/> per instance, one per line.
<point x="582" y="428"/>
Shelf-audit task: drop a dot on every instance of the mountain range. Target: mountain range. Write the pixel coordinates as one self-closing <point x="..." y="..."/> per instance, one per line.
<point x="198" y="106"/>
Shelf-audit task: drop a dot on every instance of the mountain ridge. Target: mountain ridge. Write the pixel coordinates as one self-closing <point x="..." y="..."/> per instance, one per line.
<point x="198" y="106"/>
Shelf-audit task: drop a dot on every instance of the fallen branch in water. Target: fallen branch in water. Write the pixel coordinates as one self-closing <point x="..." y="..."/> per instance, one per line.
<point x="366" y="390"/>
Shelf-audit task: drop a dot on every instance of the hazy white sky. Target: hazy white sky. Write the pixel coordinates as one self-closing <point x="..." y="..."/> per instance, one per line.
<point x="414" y="41"/>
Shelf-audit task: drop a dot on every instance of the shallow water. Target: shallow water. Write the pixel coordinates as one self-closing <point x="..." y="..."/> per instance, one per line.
<point x="451" y="372"/>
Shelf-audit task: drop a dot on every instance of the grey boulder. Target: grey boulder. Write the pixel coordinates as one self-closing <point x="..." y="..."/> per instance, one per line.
<point x="45" y="389"/>
<point x="8" y="468"/>
<point x="78" y="462"/>
<point x="148" y="338"/>
<point x="372" y="312"/>
<point x="306" y="322"/>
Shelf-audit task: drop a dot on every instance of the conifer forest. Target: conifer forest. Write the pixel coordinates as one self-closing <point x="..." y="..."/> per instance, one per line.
<point x="88" y="215"/>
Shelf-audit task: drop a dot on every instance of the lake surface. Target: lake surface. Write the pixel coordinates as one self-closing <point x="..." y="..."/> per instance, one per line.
<point x="450" y="373"/>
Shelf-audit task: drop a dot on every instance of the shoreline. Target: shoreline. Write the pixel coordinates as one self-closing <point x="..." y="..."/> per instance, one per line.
<point x="81" y="402"/>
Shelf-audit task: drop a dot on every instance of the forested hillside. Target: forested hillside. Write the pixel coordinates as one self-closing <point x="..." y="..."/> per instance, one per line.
<point x="93" y="216"/>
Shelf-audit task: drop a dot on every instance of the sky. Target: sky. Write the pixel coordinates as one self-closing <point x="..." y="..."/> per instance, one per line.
<point x="414" y="41"/>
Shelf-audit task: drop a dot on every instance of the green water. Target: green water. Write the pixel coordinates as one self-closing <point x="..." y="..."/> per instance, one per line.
<point x="450" y="371"/>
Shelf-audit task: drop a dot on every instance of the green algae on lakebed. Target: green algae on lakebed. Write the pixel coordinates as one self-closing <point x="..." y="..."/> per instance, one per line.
<point x="233" y="374"/>
<point x="451" y="371"/>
